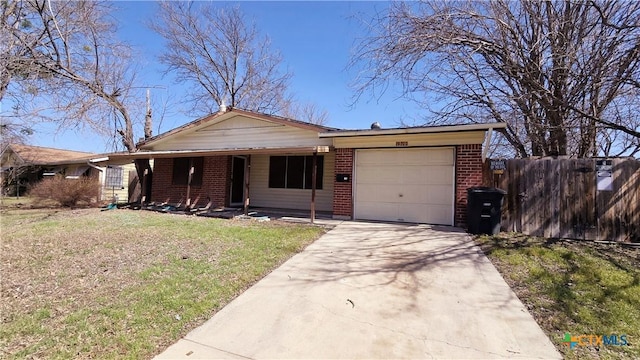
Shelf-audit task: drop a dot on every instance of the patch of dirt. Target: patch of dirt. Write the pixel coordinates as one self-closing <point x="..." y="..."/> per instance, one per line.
<point x="63" y="269"/>
<point x="57" y="262"/>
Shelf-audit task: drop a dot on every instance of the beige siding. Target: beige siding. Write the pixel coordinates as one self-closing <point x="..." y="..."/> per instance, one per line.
<point x="261" y="195"/>
<point x="121" y="192"/>
<point x="410" y="140"/>
<point x="9" y="159"/>
<point x="241" y="132"/>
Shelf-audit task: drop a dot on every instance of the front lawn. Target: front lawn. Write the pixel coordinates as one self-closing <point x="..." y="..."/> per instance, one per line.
<point x="580" y="288"/>
<point x="125" y="284"/>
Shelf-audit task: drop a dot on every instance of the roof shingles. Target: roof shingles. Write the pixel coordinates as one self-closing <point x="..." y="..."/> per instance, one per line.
<point x="37" y="155"/>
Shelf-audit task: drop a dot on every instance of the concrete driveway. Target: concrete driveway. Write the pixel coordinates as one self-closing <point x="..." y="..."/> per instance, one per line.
<point x="375" y="291"/>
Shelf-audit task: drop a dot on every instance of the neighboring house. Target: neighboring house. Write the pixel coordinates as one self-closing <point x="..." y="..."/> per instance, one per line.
<point x="22" y="165"/>
<point x="26" y="164"/>
<point x="238" y="157"/>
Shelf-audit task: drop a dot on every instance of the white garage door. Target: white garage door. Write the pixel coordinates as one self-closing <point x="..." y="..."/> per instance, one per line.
<point x="411" y="185"/>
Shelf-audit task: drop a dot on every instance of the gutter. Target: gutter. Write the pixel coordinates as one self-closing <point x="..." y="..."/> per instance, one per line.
<point x="101" y="176"/>
<point x="414" y="130"/>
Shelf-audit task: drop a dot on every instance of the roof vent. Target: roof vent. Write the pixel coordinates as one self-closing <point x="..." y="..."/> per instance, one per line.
<point x="223" y="106"/>
<point x="375" y="126"/>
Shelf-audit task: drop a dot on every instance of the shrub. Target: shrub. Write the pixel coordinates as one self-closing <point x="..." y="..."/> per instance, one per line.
<point x="66" y="192"/>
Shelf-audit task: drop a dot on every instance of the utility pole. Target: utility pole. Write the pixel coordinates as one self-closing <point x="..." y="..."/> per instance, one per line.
<point x="147" y="119"/>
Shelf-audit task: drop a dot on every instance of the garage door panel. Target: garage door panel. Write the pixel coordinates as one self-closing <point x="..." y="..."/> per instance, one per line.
<point x="378" y="175"/>
<point x="407" y="195"/>
<point x="440" y="214"/>
<point x="440" y="195"/>
<point x="412" y="185"/>
<point x="417" y="157"/>
<point x="412" y="194"/>
<point x="411" y="213"/>
<point x="377" y="157"/>
<point x="425" y="175"/>
<point x="377" y="192"/>
<point x="379" y="211"/>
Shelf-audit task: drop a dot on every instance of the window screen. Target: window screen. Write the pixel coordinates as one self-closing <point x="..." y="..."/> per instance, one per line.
<point x="114" y="176"/>
<point x="181" y="168"/>
<point x="294" y="172"/>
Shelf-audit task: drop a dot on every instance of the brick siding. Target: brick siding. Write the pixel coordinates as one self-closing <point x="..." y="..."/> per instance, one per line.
<point x="468" y="174"/>
<point x="342" y="191"/>
<point x="215" y="182"/>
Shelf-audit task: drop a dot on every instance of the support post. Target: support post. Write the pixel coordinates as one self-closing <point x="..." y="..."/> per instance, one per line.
<point x="15" y="179"/>
<point x="143" y="187"/>
<point x="247" y="173"/>
<point x="314" y="172"/>
<point x="189" y="177"/>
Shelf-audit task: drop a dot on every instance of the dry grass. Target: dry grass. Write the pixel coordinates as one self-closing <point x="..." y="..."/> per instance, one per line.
<point x="125" y="284"/>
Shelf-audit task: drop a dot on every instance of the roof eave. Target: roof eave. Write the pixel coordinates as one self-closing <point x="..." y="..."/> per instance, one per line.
<point x="414" y="130"/>
<point x="212" y="152"/>
<point x="211" y="117"/>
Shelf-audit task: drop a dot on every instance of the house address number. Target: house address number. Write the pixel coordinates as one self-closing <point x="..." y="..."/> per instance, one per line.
<point x="402" y="143"/>
<point x="498" y="166"/>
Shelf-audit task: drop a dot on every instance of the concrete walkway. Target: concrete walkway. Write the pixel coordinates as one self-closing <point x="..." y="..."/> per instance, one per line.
<point x="375" y="291"/>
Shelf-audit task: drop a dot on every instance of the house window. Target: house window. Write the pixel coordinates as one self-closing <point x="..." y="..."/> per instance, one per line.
<point x="181" y="169"/>
<point x="113" y="176"/>
<point x="294" y="172"/>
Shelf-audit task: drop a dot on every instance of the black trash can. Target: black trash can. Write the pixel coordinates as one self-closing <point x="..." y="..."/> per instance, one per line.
<point x="484" y="210"/>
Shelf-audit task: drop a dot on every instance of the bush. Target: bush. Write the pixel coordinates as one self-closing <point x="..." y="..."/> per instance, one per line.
<point x="66" y="192"/>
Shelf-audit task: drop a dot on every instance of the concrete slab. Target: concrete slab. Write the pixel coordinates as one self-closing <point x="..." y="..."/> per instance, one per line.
<point x="375" y="291"/>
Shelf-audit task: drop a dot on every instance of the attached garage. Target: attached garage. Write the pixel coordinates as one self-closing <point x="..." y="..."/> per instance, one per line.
<point x="418" y="174"/>
<point x="409" y="185"/>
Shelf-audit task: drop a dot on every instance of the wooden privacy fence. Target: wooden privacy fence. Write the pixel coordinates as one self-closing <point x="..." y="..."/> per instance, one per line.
<point x="559" y="198"/>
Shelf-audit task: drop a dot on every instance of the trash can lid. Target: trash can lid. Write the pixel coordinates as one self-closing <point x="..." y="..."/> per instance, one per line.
<point x="486" y="189"/>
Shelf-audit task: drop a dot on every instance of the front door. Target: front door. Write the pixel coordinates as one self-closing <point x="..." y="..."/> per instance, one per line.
<point x="237" y="180"/>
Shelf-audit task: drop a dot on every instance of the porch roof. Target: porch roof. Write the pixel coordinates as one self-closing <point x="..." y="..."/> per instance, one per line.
<point x="190" y="153"/>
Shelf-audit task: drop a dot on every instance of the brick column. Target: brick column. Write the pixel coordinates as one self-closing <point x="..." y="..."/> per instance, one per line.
<point x="216" y="179"/>
<point x="161" y="180"/>
<point x="342" y="191"/>
<point x="468" y="174"/>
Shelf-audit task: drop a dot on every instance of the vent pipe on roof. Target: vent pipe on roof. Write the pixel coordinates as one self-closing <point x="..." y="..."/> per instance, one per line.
<point x="223" y="106"/>
<point x="376" y="126"/>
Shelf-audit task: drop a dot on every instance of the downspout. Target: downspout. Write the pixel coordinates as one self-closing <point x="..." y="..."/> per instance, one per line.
<point x="487" y="142"/>
<point x="100" y="177"/>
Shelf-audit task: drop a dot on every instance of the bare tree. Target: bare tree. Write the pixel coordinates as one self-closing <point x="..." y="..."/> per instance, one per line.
<point x="307" y="112"/>
<point x="561" y="74"/>
<point x="224" y="57"/>
<point x="65" y="65"/>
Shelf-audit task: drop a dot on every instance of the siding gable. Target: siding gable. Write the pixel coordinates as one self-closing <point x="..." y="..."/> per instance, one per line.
<point x="242" y="132"/>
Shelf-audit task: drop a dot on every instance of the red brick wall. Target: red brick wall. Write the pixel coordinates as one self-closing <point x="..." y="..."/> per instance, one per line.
<point x="161" y="181"/>
<point x="468" y="174"/>
<point x="215" y="182"/>
<point x="342" y="191"/>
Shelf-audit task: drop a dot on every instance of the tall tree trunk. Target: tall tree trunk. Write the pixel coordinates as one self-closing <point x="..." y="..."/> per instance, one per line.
<point x="145" y="176"/>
